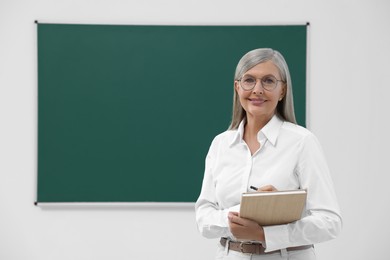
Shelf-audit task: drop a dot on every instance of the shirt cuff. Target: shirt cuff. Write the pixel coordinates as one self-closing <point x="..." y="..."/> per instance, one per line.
<point x="276" y="237"/>
<point x="235" y="208"/>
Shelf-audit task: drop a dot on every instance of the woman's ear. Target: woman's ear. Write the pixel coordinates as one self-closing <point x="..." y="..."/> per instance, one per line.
<point x="283" y="92"/>
<point x="236" y="85"/>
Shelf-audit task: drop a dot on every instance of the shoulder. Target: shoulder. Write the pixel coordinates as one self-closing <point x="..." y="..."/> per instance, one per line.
<point x="225" y="137"/>
<point x="224" y="140"/>
<point x="302" y="137"/>
<point x="295" y="130"/>
<point x="297" y="133"/>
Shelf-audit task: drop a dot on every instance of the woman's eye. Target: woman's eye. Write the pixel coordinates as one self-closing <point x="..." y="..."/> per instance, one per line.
<point x="269" y="80"/>
<point x="249" y="80"/>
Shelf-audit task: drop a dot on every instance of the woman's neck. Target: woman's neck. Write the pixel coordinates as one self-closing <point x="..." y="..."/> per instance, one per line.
<point x="255" y="124"/>
<point x="252" y="127"/>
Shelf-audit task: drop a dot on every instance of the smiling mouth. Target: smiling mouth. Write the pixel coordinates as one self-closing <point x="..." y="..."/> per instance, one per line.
<point x="256" y="101"/>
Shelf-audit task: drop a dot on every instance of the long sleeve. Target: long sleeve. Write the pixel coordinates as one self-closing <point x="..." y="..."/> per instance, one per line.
<point x="322" y="220"/>
<point x="211" y="219"/>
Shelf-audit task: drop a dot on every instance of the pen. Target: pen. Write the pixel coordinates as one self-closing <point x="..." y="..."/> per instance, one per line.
<point x="253" y="188"/>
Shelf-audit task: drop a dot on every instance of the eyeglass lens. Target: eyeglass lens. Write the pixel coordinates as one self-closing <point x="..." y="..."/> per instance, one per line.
<point x="268" y="82"/>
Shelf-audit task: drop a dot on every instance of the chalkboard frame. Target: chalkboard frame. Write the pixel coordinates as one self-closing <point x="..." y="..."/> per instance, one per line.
<point x="43" y="184"/>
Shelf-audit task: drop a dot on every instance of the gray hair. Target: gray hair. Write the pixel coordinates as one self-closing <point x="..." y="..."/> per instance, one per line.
<point x="285" y="108"/>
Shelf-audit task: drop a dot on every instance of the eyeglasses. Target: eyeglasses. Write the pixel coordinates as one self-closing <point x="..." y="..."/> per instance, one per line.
<point x="268" y="82"/>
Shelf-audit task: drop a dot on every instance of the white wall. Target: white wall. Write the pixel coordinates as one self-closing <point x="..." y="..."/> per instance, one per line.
<point x="349" y="71"/>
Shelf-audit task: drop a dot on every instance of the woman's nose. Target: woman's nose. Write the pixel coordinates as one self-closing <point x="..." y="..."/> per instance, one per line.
<point x="258" y="89"/>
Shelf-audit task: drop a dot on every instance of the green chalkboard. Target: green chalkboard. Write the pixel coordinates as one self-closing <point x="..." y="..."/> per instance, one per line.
<point x="127" y="113"/>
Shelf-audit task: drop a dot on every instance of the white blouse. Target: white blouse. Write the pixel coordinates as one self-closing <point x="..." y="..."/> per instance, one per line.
<point x="290" y="157"/>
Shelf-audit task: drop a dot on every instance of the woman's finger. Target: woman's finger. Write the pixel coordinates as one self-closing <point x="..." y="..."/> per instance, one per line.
<point x="267" y="188"/>
<point x="236" y="219"/>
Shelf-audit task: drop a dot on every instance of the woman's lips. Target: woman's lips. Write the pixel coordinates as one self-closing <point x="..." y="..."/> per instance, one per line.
<point x="256" y="101"/>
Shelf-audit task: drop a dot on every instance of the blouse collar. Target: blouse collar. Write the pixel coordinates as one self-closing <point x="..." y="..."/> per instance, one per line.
<point x="270" y="131"/>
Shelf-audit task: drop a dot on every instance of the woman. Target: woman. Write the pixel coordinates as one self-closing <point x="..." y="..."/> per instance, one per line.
<point x="264" y="147"/>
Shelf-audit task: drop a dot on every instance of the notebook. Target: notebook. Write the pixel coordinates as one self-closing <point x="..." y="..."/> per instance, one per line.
<point x="273" y="208"/>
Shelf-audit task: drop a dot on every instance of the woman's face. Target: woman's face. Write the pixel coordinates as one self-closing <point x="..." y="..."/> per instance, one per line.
<point x="258" y="102"/>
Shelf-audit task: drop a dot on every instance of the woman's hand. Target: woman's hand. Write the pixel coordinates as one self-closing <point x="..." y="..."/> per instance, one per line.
<point x="267" y="188"/>
<point x="245" y="229"/>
